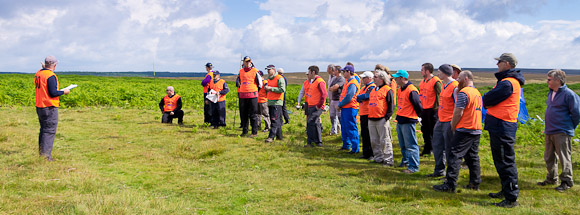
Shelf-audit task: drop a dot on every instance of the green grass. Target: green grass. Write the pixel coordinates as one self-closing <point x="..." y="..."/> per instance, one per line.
<point x="120" y="160"/>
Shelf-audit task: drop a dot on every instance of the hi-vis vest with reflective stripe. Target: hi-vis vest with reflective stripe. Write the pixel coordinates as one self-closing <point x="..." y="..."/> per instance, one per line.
<point x="42" y="96"/>
<point x="219" y="86"/>
<point x="170" y="103"/>
<point x="314" y="94"/>
<point x="427" y="92"/>
<point x="353" y="103"/>
<point x="363" y="108"/>
<point x="405" y="107"/>
<point x="306" y="89"/>
<point x="471" y="118"/>
<point x="247" y="81"/>
<point x="262" y="94"/>
<point x="210" y="84"/>
<point x="446" y="102"/>
<point x="378" y="102"/>
<point x="508" y="109"/>
<point x="274" y="84"/>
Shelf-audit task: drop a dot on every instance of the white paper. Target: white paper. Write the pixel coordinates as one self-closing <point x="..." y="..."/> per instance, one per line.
<point x="213" y="96"/>
<point x="70" y="87"/>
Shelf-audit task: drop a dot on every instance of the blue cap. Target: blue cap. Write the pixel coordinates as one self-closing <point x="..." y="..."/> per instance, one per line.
<point x="209" y="65"/>
<point x="348" y="68"/>
<point x="401" y="73"/>
<point x="216" y="72"/>
<point x="247" y="58"/>
<point x="261" y="73"/>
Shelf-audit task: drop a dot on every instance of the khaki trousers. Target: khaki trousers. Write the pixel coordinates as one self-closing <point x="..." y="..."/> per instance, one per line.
<point x="558" y="147"/>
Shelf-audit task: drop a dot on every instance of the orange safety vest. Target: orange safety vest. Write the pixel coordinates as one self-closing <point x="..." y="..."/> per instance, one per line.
<point x="364" y="106"/>
<point x="274" y="84"/>
<point x="405" y="107"/>
<point x="42" y="96"/>
<point x="219" y="86"/>
<point x="378" y="102"/>
<point x="262" y="94"/>
<point x="394" y="86"/>
<point x="247" y="81"/>
<point x="353" y="103"/>
<point x="306" y="89"/>
<point x="209" y="86"/>
<point x="170" y="103"/>
<point x="508" y="109"/>
<point x="446" y="102"/>
<point x="427" y="92"/>
<point x="314" y="94"/>
<point x="471" y="118"/>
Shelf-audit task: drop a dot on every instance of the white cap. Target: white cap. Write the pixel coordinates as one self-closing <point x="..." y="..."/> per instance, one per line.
<point x="367" y="74"/>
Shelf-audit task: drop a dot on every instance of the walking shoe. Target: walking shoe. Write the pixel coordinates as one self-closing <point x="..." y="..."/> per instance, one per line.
<point x="266" y="130"/>
<point x="433" y="175"/>
<point x="269" y="140"/>
<point x="243" y="134"/>
<point x="253" y="135"/>
<point x="507" y="204"/>
<point x="371" y="158"/>
<point x="563" y="187"/>
<point x="497" y="195"/>
<point x="546" y="182"/>
<point x="363" y="157"/>
<point x="308" y="145"/>
<point x="403" y="165"/>
<point x="471" y="187"/>
<point x="388" y="164"/>
<point x="407" y="171"/>
<point x="319" y="144"/>
<point x="444" y="188"/>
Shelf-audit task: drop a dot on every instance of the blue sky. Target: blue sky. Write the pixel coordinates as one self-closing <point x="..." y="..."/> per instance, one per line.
<point x="183" y="35"/>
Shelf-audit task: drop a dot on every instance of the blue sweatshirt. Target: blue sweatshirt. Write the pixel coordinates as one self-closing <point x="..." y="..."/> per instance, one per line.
<point x="563" y="113"/>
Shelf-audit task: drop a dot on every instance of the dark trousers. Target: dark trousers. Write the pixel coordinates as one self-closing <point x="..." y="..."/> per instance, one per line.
<point x="249" y="113"/>
<point x="48" y="119"/>
<point x="464" y="145"/>
<point x="504" y="159"/>
<point x="366" y="137"/>
<point x="428" y="120"/>
<point x="275" y="122"/>
<point x="313" y="126"/>
<point x="285" y="111"/>
<point x="167" y="118"/>
<point x="206" y="110"/>
<point x="218" y="114"/>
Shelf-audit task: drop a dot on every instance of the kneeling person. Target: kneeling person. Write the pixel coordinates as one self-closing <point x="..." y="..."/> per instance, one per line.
<point x="170" y="106"/>
<point x="465" y="143"/>
<point x="218" y="109"/>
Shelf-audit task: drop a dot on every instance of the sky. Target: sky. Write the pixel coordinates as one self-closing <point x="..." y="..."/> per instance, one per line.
<point x="183" y="35"/>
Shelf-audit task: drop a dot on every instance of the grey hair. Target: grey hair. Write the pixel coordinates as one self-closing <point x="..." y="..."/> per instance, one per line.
<point x="171" y="88"/>
<point x="280" y="71"/>
<point x="558" y="74"/>
<point x="383" y="75"/>
<point x="332" y="67"/>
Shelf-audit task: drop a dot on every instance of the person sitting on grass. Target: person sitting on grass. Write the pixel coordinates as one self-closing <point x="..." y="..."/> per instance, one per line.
<point x="218" y="109"/>
<point x="170" y="106"/>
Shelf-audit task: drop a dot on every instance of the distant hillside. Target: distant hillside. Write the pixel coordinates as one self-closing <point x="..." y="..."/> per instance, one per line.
<point x="133" y="74"/>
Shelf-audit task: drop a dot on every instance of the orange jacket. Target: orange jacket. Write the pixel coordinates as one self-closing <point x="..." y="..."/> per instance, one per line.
<point x="314" y="95"/>
<point x="427" y="92"/>
<point x="219" y="86"/>
<point x="405" y="107"/>
<point x="170" y="103"/>
<point x="42" y="96"/>
<point x="508" y="109"/>
<point x="378" y="102"/>
<point x="353" y="103"/>
<point x="209" y="85"/>
<point x="446" y="102"/>
<point x="364" y="106"/>
<point x="263" y="95"/>
<point x="247" y="81"/>
<point x="274" y="83"/>
<point x="471" y="118"/>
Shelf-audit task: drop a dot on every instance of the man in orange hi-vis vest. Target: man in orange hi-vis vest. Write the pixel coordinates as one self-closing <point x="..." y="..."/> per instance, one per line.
<point x="363" y="99"/>
<point x="275" y="88"/>
<point x="250" y="82"/>
<point x="170" y="106"/>
<point x="503" y="104"/>
<point x="348" y="107"/>
<point x="429" y="90"/>
<point x="466" y="124"/>
<point x="442" y="132"/>
<point x="381" y="107"/>
<point x="47" y="102"/>
<point x="408" y="110"/>
<point x="218" y="109"/>
<point x="207" y="84"/>
<point x="316" y="99"/>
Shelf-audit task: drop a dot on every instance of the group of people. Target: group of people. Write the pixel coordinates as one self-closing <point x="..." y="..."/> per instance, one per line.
<point x="448" y="106"/>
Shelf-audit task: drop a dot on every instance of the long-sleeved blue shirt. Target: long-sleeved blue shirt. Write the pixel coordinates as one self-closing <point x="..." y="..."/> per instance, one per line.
<point x="563" y="113"/>
<point x="350" y="92"/>
<point x="52" y="86"/>
<point x="365" y="96"/>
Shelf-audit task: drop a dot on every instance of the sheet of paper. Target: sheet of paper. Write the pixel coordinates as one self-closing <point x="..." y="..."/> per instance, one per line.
<point x="70" y="87"/>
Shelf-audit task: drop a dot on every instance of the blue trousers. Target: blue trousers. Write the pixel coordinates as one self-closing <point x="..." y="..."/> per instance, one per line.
<point x="349" y="129"/>
<point x="409" y="146"/>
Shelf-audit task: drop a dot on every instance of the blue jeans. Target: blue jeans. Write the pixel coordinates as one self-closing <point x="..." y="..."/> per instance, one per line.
<point x="409" y="146"/>
<point x="349" y="129"/>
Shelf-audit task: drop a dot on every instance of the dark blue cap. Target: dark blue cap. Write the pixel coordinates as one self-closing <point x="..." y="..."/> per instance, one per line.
<point x="209" y="65"/>
<point x="247" y="58"/>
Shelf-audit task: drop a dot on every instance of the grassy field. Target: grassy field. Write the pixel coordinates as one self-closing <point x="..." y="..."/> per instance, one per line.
<point x="116" y="158"/>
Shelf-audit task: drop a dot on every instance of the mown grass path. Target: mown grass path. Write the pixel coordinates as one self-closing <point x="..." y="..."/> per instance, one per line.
<point x="123" y="161"/>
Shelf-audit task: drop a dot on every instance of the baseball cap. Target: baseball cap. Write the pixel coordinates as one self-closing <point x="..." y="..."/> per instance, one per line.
<point x="216" y="72"/>
<point x="247" y="58"/>
<point x="446" y="69"/>
<point x="271" y="67"/>
<point x="454" y="66"/>
<point x="367" y="74"/>
<point x="261" y="73"/>
<point x="209" y="65"/>
<point x="401" y="73"/>
<point x="348" y="68"/>
<point x="508" y="57"/>
<point x="50" y="60"/>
